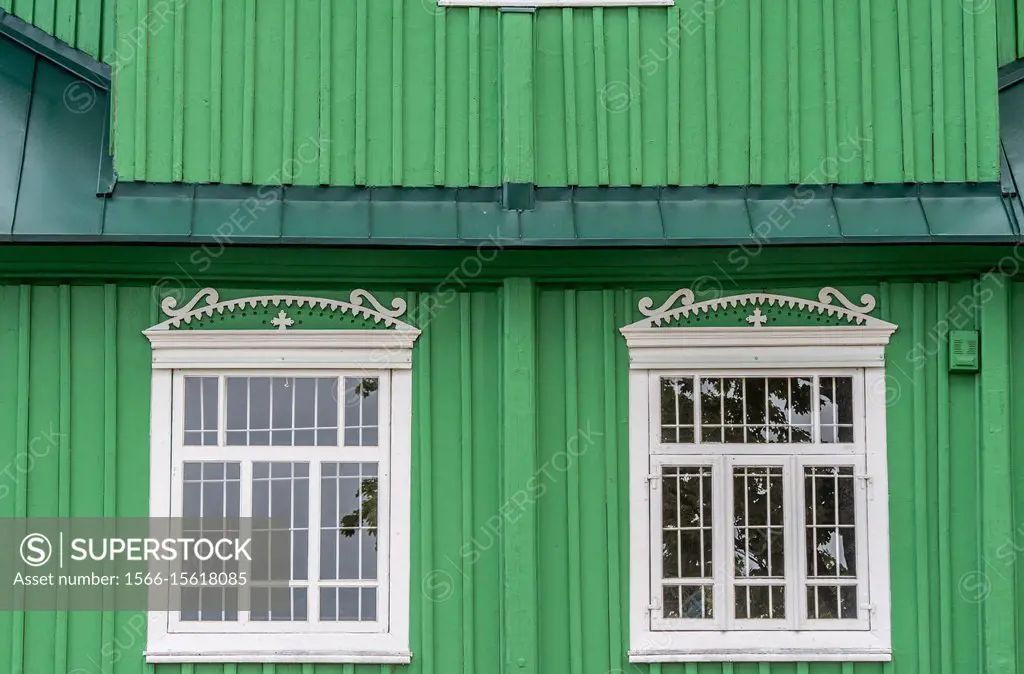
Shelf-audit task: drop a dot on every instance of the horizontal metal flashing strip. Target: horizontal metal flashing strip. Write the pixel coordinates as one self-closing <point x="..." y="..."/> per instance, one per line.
<point x="60" y="53"/>
<point x="586" y="216"/>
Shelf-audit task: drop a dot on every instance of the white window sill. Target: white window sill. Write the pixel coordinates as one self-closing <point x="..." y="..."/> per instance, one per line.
<point x="761" y="655"/>
<point x="832" y="646"/>
<point x="288" y="647"/>
<point x="395" y="657"/>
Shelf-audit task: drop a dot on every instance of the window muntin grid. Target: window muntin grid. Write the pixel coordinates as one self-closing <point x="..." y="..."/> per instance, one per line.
<point x="201" y="418"/>
<point x="348" y="541"/>
<point x="687" y="542"/>
<point x="211" y="505"/>
<point x="835" y="402"/>
<point x="677" y="422"/>
<point x="759" y="571"/>
<point x="709" y="409"/>
<point x="361" y="412"/>
<point x="267" y="606"/>
<point x="758" y="543"/>
<point x="281" y="411"/>
<point x="830" y="529"/>
<point x="280" y="510"/>
<point x="755" y="410"/>
<point x="749" y="599"/>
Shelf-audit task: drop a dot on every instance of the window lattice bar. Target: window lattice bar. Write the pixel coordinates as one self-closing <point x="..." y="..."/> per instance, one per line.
<point x="759" y="542"/>
<point x="830" y="533"/>
<point x="687" y="542"/>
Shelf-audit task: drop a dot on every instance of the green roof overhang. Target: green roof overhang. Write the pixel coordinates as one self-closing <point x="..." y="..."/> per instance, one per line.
<point x="595" y="217"/>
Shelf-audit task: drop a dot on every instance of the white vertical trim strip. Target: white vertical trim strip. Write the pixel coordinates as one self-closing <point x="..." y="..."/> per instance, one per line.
<point x="875" y="397"/>
<point x="793" y="498"/>
<point x="161" y="424"/>
<point x="639" y="505"/>
<point x="313" y="559"/>
<point x="400" y="514"/>
<point x="726" y="505"/>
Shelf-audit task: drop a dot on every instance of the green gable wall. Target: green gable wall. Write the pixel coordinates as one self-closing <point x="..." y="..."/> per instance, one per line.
<point x="531" y="342"/>
<point x="397" y="92"/>
<point x="1011" y="36"/>
<point x="87" y="25"/>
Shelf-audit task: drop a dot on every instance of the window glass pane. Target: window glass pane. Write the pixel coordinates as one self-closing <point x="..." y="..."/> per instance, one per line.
<point x="305" y="403"/>
<point x="830" y="534"/>
<point x="835" y="403"/>
<point x="711" y="409"/>
<point x="277" y="604"/>
<point x="280" y="506"/>
<point x="832" y="602"/>
<point x="755" y="410"/>
<point x="361" y="411"/>
<point x="801" y="420"/>
<point x="209" y="604"/>
<point x="758" y="541"/>
<point x="210" y="489"/>
<point x="760" y="602"/>
<point x="348" y="604"/>
<point x="688" y="601"/>
<point x="259" y="402"/>
<point x="687" y="540"/>
<point x="237" y="402"/>
<point x="282" y="411"/>
<point x="201" y="422"/>
<point x="677" y="409"/>
<point x="282" y="408"/>
<point x="210" y="499"/>
<point x="368" y="603"/>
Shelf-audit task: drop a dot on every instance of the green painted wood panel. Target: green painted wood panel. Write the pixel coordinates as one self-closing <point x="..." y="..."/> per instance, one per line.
<point x="1010" y="29"/>
<point x="725" y="93"/>
<point x="521" y="347"/>
<point x="302" y="92"/>
<point x="87" y="25"/>
<point x="400" y="92"/>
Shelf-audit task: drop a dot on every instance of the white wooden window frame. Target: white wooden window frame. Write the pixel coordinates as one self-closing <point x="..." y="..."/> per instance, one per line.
<point x="385" y="354"/>
<point x="846" y="350"/>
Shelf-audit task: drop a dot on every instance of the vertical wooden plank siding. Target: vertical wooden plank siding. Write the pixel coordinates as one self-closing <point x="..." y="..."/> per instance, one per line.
<point x="519" y="472"/>
<point x="517" y="97"/>
<point x="423" y="450"/>
<point x="997" y="474"/>
<point x="22" y="444"/>
<point x="944" y="492"/>
<point x="466" y="461"/>
<point x="63" y="456"/>
<point x="520" y="529"/>
<point x="248" y="91"/>
<point x="585" y="96"/>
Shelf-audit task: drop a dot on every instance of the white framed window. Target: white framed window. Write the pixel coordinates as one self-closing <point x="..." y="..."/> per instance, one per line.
<point x="303" y="435"/>
<point x="758" y="491"/>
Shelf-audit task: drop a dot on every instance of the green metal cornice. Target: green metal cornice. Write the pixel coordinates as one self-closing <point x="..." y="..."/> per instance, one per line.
<point x="175" y="267"/>
<point x="562" y="217"/>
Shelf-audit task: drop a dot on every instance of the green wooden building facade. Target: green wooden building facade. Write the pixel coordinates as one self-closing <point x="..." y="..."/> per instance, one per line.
<point x="523" y="180"/>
